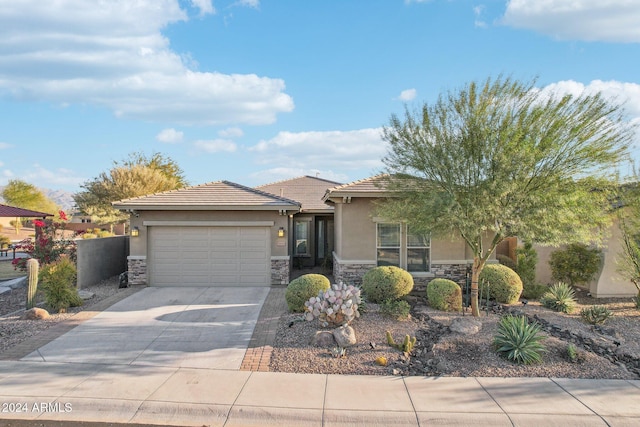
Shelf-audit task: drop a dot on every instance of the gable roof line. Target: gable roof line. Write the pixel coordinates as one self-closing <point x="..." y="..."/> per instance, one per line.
<point x="294" y="178"/>
<point x="165" y="192"/>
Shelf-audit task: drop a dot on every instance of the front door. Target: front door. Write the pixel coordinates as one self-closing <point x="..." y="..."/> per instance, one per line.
<point x="324" y="240"/>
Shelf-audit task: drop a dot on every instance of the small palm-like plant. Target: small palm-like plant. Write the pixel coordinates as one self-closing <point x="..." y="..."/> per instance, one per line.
<point x="518" y="340"/>
<point x="595" y="314"/>
<point x="560" y="297"/>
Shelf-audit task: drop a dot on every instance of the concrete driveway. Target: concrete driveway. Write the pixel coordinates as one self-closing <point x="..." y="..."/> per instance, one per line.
<point x="165" y="327"/>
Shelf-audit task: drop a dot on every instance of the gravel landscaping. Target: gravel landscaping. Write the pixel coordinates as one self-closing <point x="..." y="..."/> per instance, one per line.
<point x="611" y="351"/>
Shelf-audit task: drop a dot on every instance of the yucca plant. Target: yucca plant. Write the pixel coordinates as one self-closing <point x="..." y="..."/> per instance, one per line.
<point x="572" y="353"/>
<point x="518" y="340"/>
<point x="595" y="314"/>
<point x="560" y="297"/>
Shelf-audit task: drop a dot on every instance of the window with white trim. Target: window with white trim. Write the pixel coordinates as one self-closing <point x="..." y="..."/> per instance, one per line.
<point x="388" y="244"/>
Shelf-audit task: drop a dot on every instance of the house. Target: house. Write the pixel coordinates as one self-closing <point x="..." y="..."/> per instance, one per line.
<point x="364" y="241"/>
<point x="215" y="234"/>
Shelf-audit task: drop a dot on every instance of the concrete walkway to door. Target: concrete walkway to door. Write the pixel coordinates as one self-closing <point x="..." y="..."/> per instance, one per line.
<point x="170" y="327"/>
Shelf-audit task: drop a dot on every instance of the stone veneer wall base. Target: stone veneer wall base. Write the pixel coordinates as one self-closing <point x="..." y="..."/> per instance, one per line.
<point x="280" y="271"/>
<point x="137" y="267"/>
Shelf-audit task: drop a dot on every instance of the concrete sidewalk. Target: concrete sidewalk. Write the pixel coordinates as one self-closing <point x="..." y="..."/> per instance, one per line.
<point x="154" y="395"/>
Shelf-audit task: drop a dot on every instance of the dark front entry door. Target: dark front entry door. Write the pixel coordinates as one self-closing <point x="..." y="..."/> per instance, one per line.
<point x="324" y="240"/>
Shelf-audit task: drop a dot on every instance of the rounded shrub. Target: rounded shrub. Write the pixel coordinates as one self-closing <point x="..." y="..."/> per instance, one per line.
<point x="304" y="287"/>
<point x="502" y="283"/>
<point x="386" y="283"/>
<point x="444" y="294"/>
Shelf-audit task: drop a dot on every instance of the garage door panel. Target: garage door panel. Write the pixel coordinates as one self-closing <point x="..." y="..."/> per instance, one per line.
<point x="209" y="256"/>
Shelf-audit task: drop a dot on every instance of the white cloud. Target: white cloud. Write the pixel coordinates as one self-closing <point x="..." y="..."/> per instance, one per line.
<point x="205" y="6"/>
<point x="343" y="150"/>
<point x="57" y="177"/>
<point x="249" y="3"/>
<point x="170" y="136"/>
<point x="4" y="145"/>
<point x="590" y="20"/>
<point x="231" y="133"/>
<point x="614" y="91"/>
<point x="407" y="95"/>
<point x="478" y="11"/>
<point x="113" y="55"/>
<point x="215" y="145"/>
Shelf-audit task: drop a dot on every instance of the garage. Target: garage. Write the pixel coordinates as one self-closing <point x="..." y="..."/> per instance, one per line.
<point x="209" y="256"/>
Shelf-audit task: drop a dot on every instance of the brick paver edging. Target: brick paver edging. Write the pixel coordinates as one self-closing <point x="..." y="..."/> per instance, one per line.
<point x="258" y="353"/>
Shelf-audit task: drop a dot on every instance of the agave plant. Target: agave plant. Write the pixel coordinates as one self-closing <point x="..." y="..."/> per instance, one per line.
<point x="518" y="340"/>
<point x="595" y="314"/>
<point x="560" y="297"/>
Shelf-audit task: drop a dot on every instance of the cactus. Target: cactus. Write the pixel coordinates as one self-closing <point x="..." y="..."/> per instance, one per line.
<point x="381" y="361"/>
<point x="32" y="275"/>
<point x="339" y="352"/>
<point x="407" y="344"/>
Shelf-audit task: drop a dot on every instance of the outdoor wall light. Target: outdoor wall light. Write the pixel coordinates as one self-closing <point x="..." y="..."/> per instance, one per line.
<point x="135" y="232"/>
<point x="281" y="232"/>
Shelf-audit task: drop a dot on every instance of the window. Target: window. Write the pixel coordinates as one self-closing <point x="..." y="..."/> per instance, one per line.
<point x="388" y="244"/>
<point x="418" y="252"/>
<point x="412" y="254"/>
<point x="301" y="238"/>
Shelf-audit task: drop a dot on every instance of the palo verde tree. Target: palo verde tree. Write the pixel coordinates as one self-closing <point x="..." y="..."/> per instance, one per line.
<point x="23" y="195"/>
<point x="136" y="176"/>
<point x="500" y="158"/>
<point x="629" y="222"/>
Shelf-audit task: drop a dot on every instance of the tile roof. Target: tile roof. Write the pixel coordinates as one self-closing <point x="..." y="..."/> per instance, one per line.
<point x="217" y="195"/>
<point x="368" y="187"/>
<point x="13" y="212"/>
<point x="308" y="190"/>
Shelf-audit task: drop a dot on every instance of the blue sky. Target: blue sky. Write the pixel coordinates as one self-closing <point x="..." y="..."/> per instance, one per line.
<point x="255" y="91"/>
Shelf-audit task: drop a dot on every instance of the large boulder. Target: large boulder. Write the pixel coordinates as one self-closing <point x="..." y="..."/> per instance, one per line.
<point x="465" y="326"/>
<point x="345" y="336"/>
<point x="35" y="314"/>
<point x="323" y="339"/>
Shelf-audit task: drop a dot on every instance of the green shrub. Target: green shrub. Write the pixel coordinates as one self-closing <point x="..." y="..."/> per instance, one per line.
<point x="387" y="282"/>
<point x="304" y="287"/>
<point x="398" y="309"/>
<point x="534" y="291"/>
<point x="444" y="294"/>
<point x="505" y="260"/>
<point x="88" y="235"/>
<point x="527" y="258"/>
<point x="560" y="297"/>
<point x="518" y="340"/>
<point x="595" y="314"/>
<point x="4" y="240"/>
<point x="575" y="265"/>
<point x="572" y="353"/>
<point x="502" y="283"/>
<point x="57" y="282"/>
<point x="105" y="233"/>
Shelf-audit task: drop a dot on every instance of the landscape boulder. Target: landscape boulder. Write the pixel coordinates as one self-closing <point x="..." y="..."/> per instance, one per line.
<point x="345" y="336"/>
<point x="323" y="339"/>
<point x="465" y="326"/>
<point x="35" y="314"/>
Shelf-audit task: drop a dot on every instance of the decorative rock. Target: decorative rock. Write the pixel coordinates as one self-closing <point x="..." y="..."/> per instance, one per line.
<point x="465" y="326"/>
<point x="85" y="295"/>
<point x="35" y="314"/>
<point x="323" y="339"/>
<point x="345" y="336"/>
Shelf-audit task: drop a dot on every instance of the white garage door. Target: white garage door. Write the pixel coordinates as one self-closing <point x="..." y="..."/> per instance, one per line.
<point x="209" y="256"/>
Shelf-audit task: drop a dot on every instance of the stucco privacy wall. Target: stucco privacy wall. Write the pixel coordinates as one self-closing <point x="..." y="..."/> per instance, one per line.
<point x="100" y="259"/>
<point x="356" y="252"/>
<point x="608" y="283"/>
<point x="137" y="260"/>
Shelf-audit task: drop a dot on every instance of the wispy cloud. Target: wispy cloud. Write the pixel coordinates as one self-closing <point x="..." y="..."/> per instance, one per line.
<point x="5" y="145"/>
<point x="610" y="21"/>
<point x="231" y="133"/>
<point x="53" y="178"/>
<point x="215" y="145"/>
<point x="114" y="55"/>
<point x="170" y="136"/>
<point x="478" y="11"/>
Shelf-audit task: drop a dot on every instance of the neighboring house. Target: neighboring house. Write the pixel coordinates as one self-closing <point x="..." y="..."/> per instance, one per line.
<point x="312" y="229"/>
<point x="364" y="241"/>
<point x="215" y="234"/>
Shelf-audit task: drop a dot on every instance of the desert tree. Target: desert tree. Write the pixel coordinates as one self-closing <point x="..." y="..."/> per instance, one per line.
<point x="138" y="175"/>
<point x="501" y="158"/>
<point x="628" y="258"/>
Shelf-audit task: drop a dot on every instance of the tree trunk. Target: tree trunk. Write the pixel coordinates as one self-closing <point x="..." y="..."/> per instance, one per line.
<point x="475" y="272"/>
